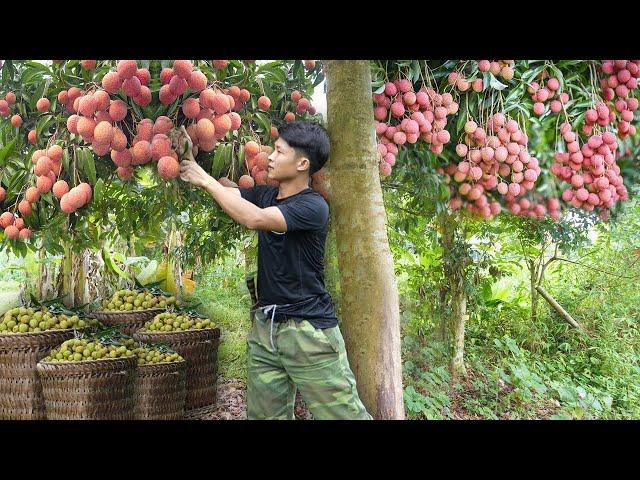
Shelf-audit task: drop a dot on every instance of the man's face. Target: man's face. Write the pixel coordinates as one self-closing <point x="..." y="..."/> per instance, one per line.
<point x="284" y="163"/>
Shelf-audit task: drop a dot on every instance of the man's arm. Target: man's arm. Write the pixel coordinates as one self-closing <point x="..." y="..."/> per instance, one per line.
<point x="229" y="198"/>
<point x="241" y="210"/>
<point x="245" y="212"/>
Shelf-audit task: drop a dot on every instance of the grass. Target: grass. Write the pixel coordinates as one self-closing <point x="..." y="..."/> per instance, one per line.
<point x="226" y="300"/>
<point x="9" y="295"/>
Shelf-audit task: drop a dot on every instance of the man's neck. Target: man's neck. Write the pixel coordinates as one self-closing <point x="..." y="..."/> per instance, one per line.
<point x="291" y="187"/>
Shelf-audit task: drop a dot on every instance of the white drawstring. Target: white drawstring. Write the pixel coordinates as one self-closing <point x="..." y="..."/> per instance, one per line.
<point x="272" y="308"/>
<point x="266" y="310"/>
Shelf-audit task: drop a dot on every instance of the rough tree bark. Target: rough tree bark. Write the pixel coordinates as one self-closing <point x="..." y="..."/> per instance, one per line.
<point x="370" y="308"/>
<point x="454" y="266"/>
<point x="331" y="270"/>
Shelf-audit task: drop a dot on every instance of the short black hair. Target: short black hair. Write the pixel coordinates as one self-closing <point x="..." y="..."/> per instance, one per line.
<point x="309" y="139"/>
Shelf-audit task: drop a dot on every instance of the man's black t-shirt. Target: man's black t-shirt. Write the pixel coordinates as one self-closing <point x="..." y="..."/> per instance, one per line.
<point x="291" y="264"/>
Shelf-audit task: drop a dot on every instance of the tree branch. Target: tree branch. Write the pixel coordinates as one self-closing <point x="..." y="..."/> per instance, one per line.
<point x="597" y="269"/>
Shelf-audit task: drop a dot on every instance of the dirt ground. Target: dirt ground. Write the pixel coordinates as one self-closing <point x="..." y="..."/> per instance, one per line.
<point x="232" y="404"/>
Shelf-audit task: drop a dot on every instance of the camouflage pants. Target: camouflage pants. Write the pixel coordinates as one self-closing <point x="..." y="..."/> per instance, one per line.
<point x="313" y="360"/>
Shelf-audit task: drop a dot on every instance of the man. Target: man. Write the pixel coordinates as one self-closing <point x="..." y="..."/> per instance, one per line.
<point x="295" y="339"/>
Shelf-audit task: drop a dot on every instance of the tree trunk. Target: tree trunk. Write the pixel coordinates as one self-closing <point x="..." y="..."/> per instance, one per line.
<point x="443" y="331"/>
<point x="173" y="283"/>
<point x="534" y="296"/>
<point x="454" y="272"/>
<point x="67" y="276"/>
<point x="331" y="270"/>
<point x="370" y="308"/>
<point x="459" y="317"/>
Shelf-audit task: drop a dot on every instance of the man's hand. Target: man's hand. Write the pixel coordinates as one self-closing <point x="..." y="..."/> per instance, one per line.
<point x="193" y="173"/>
<point x="182" y="143"/>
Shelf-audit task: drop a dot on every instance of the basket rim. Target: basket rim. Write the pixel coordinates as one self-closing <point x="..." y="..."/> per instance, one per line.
<point x="216" y="331"/>
<point x="126" y="312"/>
<point x="86" y="362"/>
<point x="26" y="334"/>
<point x="161" y="364"/>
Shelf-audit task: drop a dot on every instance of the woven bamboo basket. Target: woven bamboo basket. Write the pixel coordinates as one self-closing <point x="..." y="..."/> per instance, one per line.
<point x="20" y="388"/>
<point x="200" y="350"/>
<point x="161" y="391"/>
<point x="89" y="390"/>
<point x="130" y="321"/>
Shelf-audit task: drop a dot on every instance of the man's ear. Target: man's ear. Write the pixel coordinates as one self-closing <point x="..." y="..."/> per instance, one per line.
<point x="304" y="164"/>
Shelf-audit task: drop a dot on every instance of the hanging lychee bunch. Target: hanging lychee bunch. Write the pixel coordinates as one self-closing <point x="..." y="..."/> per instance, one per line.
<point x="5" y="104"/>
<point x="212" y="116"/>
<point x="499" y="68"/>
<point x="301" y="105"/>
<point x="494" y="157"/>
<point x="534" y="208"/>
<point x="591" y="170"/>
<point x="404" y="116"/>
<point x="47" y="165"/>
<point x="622" y="78"/>
<point x="547" y="90"/>
<point x="618" y="87"/>
<point x="600" y="115"/>
<point x="74" y="199"/>
<point x="256" y="161"/>
<point x="14" y="227"/>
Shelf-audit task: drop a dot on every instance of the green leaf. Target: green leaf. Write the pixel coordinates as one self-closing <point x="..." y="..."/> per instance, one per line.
<point x="65" y="159"/>
<point x="88" y="165"/>
<point x="6" y="150"/>
<point x="98" y="190"/>
<point x="496" y="84"/>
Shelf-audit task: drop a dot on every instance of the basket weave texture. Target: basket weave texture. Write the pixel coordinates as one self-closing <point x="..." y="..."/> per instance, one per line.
<point x="161" y="391"/>
<point x="89" y="390"/>
<point x="20" y="388"/>
<point x="199" y="348"/>
<point x="130" y="321"/>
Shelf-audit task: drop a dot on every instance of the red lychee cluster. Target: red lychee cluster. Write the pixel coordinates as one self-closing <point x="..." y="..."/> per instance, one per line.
<point x="14" y="227"/>
<point x="492" y="158"/>
<point x="548" y="92"/>
<point x="257" y="161"/>
<point x="618" y="88"/>
<point x="404" y="116"/>
<point x="591" y="170"/>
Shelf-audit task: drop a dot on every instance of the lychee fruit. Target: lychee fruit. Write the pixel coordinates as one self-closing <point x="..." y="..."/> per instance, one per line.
<point x="264" y="103"/>
<point x="11" y="232"/>
<point x="43" y="104"/>
<point x="197" y="81"/>
<point x="183" y="68"/>
<point x="168" y="167"/>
